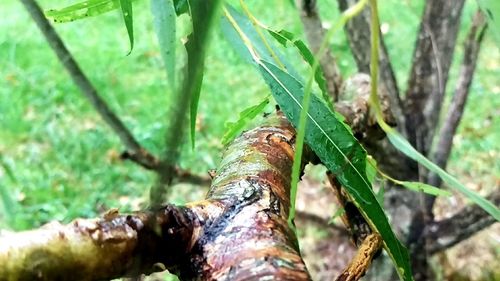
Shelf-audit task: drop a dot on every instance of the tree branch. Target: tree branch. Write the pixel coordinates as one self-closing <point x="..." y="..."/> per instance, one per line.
<point x="315" y="33"/>
<point x="441" y="235"/>
<point x="429" y="72"/>
<point x="472" y="46"/>
<point x="134" y="150"/>
<point x="240" y="232"/>
<point x="358" y="34"/>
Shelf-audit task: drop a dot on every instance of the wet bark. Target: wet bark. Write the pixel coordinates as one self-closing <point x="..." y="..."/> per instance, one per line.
<point x="240" y="232"/>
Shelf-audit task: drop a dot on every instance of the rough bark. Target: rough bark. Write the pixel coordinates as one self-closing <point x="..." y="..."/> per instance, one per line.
<point x="430" y="68"/>
<point x="315" y="33"/>
<point x="417" y="240"/>
<point x="472" y="46"/>
<point x="240" y="232"/>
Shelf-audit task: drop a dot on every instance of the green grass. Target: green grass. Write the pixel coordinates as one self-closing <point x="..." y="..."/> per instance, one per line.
<point x="64" y="158"/>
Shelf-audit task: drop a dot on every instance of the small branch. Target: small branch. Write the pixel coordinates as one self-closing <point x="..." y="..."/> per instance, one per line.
<point x="368" y="249"/>
<point x="315" y="33"/>
<point x="358" y="34"/>
<point x="446" y="233"/>
<point x="429" y="72"/>
<point x="99" y="249"/>
<point x="472" y="46"/>
<point x="134" y="149"/>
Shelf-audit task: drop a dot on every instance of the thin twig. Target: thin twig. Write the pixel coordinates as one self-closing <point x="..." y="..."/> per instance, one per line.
<point x="445" y="233"/>
<point x="315" y="33"/>
<point x="472" y="46"/>
<point x="135" y="151"/>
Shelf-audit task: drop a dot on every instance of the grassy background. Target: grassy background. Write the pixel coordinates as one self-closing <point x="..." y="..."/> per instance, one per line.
<point x="60" y="161"/>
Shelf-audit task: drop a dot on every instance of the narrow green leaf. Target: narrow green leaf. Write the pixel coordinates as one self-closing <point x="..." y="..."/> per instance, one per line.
<point x="404" y="146"/>
<point x="327" y="136"/>
<point x="285" y="38"/>
<point x="426" y="188"/>
<point x="164" y="18"/>
<point x="247" y="115"/>
<point x="127" y="12"/>
<point x="203" y="12"/>
<point x="249" y="29"/>
<point x="491" y="9"/>
<point x="371" y="168"/>
<point x="82" y="10"/>
<point x="340" y="152"/>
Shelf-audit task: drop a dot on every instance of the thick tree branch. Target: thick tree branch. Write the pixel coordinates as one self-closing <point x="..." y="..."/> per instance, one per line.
<point x="416" y="237"/>
<point x="315" y="33"/>
<point x="429" y="72"/>
<point x="446" y="233"/>
<point x="134" y="150"/>
<point x="240" y="232"/>
<point x="472" y="46"/>
<point x="358" y="34"/>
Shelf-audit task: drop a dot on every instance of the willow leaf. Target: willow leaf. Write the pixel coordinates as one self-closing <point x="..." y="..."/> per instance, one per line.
<point x="127" y="12"/>
<point x="250" y="31"/>
<point x="203" y="12"/>
<point x="285" y="38"/>
<point x="82" y="10"/>
<point x="340" y="152"/>
<point x="425" y="188"/>
<point x="247" y="115"/>
<point x="164" y="17"/>
<point x="491" y="9"/>
<point x="404" y="146"/>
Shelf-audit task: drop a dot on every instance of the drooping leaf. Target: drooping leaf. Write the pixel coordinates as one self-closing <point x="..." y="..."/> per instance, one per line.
<point x="164" y="22"/>
<point x="128" y="18"/>
<point x="400" y="142"/>
<point x="491" y="9"/>
<point x="426" y="188"/>
<point x="82" y="10"/>
<point x="404" y="146"/>
<point x="249" y="29"/>
<point x="340" y="152"/>
<point x="247" y="115"/>
<point x="326" y="135"/>
<point x="203" y="13"/>
<point x="286" y="38"/>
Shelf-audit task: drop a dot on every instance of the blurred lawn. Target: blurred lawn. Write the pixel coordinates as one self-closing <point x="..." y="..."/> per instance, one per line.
<point x="64" y="160"/>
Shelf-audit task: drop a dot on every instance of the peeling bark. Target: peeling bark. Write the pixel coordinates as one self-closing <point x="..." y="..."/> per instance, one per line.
<point x="240" y="232"/>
